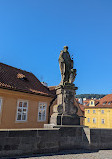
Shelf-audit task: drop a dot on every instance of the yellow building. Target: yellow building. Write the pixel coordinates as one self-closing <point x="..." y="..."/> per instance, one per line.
<point x="99" y="115"/>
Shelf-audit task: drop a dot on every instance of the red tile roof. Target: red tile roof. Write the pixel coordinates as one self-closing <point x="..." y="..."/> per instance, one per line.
<point x="52" y="89"/>
<point x="81" y="107"/>
<point x="96" y="101"/>
<point x="20" y="80"/>
<point x="106" y="99"/>
<point x="86" y="102"/>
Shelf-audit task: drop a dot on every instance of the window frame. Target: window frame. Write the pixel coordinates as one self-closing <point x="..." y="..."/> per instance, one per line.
<point x="102" y="111"/>
<point x="88" y="120"/>
<point x="92" y="102"/>
<point x="94" y="111"/>
<point x="103" y="121"/>
<point x="94" y="120"/>
<point x="88" y="111"/>
<point x="23" y="101"/>
<point x="1" y="104"/>
<point x="42" y="109"/>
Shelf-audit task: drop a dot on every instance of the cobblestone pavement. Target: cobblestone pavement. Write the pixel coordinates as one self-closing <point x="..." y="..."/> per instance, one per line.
<point x="74" y="154"/>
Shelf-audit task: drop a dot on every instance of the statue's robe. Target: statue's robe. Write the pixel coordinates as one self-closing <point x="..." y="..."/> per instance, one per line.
<point x="65" y="65"/>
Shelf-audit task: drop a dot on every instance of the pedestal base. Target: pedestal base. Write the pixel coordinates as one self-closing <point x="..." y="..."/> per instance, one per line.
<point x="68" y="120"/>
<point x="65" y="119"/>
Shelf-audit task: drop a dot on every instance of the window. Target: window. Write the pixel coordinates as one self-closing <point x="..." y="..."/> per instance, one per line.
<point x="22" y="77"/>
<point x="94" y="111"/>
<point x="91" y="102"/>
<point x="103" y="121"/>
<point x="0" y="104"/>
<point x="22" y="109"/>
<point x="102" y="111"/>
<point x="88" y="120"/>
<point x="104" y="103"/>
<point x="109" y="102"/>
<point x="42" y="111"/>
<point x="94" y="120"/>
<point x="88" y="111"/>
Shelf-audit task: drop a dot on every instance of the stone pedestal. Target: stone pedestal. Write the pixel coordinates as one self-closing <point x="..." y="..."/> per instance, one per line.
<point x="64" y="113"/>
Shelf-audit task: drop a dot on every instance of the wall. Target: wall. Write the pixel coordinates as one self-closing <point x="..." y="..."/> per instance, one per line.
<point x="9" y="109"/>
<point x="101" y="138"/>
<point x="24" y="142"/>
<point x="35" y="141"/>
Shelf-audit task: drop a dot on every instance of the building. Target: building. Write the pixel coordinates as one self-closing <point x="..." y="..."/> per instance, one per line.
<point x="24" y="100"/>
<point x="99" y="114"/>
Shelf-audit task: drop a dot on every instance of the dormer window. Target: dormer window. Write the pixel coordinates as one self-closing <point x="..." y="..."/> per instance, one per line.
<point x="104" y="103"/>
<point x="22" y="77"/>
<point x="109" y="102"/>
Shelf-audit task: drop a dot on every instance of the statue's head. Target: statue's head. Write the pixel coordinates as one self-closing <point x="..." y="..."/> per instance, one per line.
<point x="65" y="48"/>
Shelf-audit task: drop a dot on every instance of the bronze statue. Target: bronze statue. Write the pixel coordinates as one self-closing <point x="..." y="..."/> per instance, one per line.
<point x="66" y="67"/>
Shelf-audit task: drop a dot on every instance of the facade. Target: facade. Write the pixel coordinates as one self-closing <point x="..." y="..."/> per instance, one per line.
<point x="24" y="101"/>
<point x="99" y="115"/>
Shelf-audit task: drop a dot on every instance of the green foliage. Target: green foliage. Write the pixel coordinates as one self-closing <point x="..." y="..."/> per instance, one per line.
<point x="89" y="96"/>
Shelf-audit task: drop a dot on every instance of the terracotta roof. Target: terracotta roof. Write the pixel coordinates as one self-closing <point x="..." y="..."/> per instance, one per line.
<point x="96" y="101"/>
<point x="77" y="99"/>
<point x="20" y="80"/>
<point x="86" y="102"/>
<point x="105" y="102"/>
<point x="107" y="98"/>
<point x="100" y="106"/>
<point x="81" y="107"/>
<point x="52" y="89"/>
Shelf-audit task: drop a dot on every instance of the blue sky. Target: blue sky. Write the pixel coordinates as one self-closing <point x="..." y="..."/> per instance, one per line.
<point x="33" y="32"/>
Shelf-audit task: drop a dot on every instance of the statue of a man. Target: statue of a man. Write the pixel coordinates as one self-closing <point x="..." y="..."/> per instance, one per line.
<point x="66" y="65"/>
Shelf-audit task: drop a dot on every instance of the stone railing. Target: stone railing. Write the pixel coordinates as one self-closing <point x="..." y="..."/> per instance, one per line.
<point x="35" y="141"/>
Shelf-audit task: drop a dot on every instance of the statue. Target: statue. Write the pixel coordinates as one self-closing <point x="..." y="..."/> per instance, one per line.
<point x="66" y="67"/>
<point x="64" y="113"/>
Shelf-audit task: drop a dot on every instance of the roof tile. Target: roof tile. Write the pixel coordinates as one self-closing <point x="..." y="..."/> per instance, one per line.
<point x="20" y="80"/>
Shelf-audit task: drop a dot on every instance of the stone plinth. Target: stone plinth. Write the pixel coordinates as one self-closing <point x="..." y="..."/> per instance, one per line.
<point x="64" y="113"/>
<point x="64" y="119"/>
<point x="65" y="99"/>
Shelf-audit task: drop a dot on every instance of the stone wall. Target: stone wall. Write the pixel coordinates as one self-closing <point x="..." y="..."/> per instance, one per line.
<point x="101" y="138"/>
<point x="24" y="142"/>
<point x="28" y="142"/>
